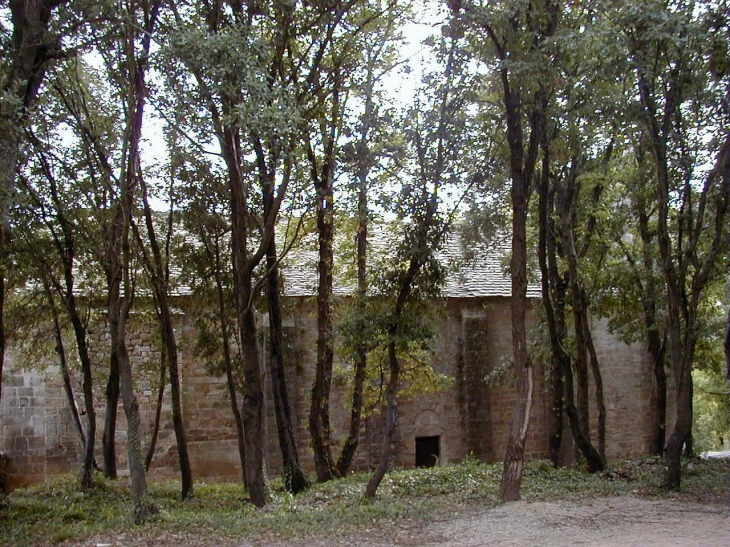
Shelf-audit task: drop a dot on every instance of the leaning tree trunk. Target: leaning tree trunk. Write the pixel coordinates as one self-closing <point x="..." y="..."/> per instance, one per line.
<point x="598" y="383"/>
<point x="83" y="351"/>
<point x="391" y="421"/>
<point x="405" y="292"/>
<point x="63" y="364"/>
<point x="158" y="413"/>
<point x="578" y="407"/>
<point x="160" y="283"/>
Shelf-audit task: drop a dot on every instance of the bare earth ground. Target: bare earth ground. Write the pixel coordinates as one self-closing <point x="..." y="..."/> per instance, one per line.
<point x="623" y="521"/>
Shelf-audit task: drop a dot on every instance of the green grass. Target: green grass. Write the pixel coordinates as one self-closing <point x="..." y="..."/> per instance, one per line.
<point x="57" y="511"/>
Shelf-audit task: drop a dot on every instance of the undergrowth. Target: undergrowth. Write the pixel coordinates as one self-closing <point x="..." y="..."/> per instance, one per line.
<point x="56" y="511"/>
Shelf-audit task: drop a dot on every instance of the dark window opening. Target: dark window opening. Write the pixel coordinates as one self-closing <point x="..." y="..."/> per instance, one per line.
<point x="427" y="451"/>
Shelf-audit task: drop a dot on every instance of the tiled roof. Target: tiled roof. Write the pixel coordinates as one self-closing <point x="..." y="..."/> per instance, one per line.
<point x="487" y="274"/>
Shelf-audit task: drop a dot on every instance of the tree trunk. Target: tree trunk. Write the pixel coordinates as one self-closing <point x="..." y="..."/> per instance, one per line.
<point x="135" y="94"/>
<point x="252" y="406"/>
<point x="404" y="294"/>
<point x="363" y="169"/>
<point x="391" y="421"/>
<point x="158" y="414"/>
<point x="2" y="297"/>
<point x="230" y="382"/>
<point x="513" y="460"/>
<point x="656" y="343"/>
<point x="294" y="478"/>
<point x="83" y="350"/>
<point x="656" y="351"/>
<point x="114" y="310"/>
<point x="681" y="432"/>
<point x="727" y="342"/>
<point x="553" y="296"/>
<point x="63" y="364"/>
<point x="319" y="419"/>
<point x="598" y="383"/>
<point x="160" y="283"/>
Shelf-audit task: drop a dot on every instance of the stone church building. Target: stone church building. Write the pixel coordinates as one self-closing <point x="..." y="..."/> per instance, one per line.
<point x="471" y="417"/>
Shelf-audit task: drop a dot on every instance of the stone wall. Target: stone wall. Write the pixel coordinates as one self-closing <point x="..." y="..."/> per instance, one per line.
<point x="471" y="417"/>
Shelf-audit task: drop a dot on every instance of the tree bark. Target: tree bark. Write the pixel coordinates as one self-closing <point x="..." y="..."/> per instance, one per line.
<point x="597" y="381"/>
<point x="364" y="159"/>
<point x="63" y="364"/>
<point x="391" y="422"/>
<point x="323" y="179"/>
<point x="553" y="296"/>
<point x="252" y="407"/>
<point x="160" y="284"/>
<point x="136" y="92"/>
<point x="656" y="342"/>
<point x="114" y="311"/>
<point x="294" y="478"/>
<point x="215" y="255"/>
<point x="578" y="412"/>
<point x="158" y="413"/>
<point x="513" y="460"/>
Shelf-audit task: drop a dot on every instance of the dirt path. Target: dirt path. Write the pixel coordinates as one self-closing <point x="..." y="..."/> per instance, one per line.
<point x="603" y="522"/>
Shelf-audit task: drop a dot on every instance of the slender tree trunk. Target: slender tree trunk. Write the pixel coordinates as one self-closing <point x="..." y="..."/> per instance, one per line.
<point x="656" y="343"/>
<point x="160" y="283"/>
<point x="63" y="364"/>
<point x="136" y="92"/>
<point x="230" y="381"/>
<point x="8" y="163"/>
<point x="727" y="324"/>
<point x="404" y="295"/>
<point x="129" y="399"/>
<point x="252" y="407"/>
<point x="364" y="158"/>
<point x="2" y="309"/>
<point x="598" y="382"/>
<point x="513" y="460"/>
<point x="553" y="292"/>
<point x="294" y="477"/>
<point x="87" y="384"/>
<point x="577" y="407"/>
<point x="656" y="351"/>
<point x="319" y="419"/>
<point x="158" y="413"/>
<point x="391" y="421"/>
<point x="727" y="346"/>
<point x="114" y="310"/>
